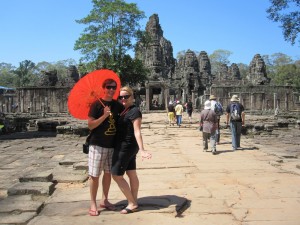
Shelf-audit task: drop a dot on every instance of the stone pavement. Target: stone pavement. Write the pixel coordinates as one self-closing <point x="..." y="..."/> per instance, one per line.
<point x="44" y="181"/>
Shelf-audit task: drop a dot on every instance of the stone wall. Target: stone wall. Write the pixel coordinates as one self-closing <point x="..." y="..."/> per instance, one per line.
<point x="43" y="99"/>
<point x="259" y="97"/>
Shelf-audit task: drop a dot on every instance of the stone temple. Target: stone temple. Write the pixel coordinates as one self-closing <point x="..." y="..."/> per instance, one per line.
<point x="189" y="77"/>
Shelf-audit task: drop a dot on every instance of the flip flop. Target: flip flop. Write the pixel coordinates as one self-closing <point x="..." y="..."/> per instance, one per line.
<point x="93" y="212"/>
<point x="128" y="211"/>
<point x="108" y="207"/>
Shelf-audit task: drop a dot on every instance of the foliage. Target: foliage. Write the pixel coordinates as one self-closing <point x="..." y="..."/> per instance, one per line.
<point x="25" y="73"/>
<point x="7" y="77"/>
<point x="143" y="40"/>
<point x="218" y="58"/>
<point x="132" y="71"/>
<point x="180" y="54"/>
<point x="111" y="26"/>
<point x="243" y="68"/>
<point x="287" y="74"/>
<point x="282" y="70"/>
<point x="287" y="13"/>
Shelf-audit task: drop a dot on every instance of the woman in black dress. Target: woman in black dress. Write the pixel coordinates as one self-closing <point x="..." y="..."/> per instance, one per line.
<point x="129" y="142"/>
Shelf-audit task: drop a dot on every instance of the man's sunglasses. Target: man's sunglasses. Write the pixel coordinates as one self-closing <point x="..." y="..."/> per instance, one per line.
<point x="111" y="87"/>
<point x="124" y="97"/>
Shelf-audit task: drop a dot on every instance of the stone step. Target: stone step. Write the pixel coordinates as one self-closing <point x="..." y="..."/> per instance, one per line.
<point x="43" y="176"/>
<point x="34" y="188"/>
<point x="20" y="204"/>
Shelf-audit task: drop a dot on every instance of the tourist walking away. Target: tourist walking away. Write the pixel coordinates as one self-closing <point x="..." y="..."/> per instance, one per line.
<point x="102" y="116"/>
<point x="235" y="112"/>
<point x="189" y="109"/>
<point x="218" y="108"/>
<point x="208" y="121"/>
<point x="171" y="113"/>
<point x="129" y="143"/>
<point x="178" y="112"/>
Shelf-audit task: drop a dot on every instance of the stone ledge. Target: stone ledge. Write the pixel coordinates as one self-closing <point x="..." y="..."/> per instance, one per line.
<point x="35" y="188"/>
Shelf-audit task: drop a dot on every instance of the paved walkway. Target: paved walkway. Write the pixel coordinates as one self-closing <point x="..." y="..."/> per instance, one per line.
<point x="181" y="184"/>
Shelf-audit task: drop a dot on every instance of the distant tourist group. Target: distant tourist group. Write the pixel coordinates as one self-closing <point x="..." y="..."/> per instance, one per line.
<point x="210" y="122"/>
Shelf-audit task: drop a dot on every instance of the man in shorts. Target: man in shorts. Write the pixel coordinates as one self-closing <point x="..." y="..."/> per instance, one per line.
<point x="102" y="119"/>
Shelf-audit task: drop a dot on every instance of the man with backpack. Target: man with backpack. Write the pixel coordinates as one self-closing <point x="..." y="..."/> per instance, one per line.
<point x="218" y="109"/>
<point x="235" y="111"/>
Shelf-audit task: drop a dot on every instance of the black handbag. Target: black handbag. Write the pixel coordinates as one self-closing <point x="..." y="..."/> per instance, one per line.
<point x="86" y="145"/>
<point x="201" y="128"/>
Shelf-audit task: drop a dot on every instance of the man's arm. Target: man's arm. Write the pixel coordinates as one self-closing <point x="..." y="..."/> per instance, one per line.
<point x="243" y="118"/>
<point x="93" y="123"/>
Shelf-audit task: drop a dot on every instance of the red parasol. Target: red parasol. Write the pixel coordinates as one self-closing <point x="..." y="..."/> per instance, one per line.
<point x="89" y="89"/>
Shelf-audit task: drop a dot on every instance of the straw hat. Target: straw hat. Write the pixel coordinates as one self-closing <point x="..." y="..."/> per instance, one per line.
<point x="212" y="97"/>
<point x="207" y="104"/>
<point x="234" y="98"/>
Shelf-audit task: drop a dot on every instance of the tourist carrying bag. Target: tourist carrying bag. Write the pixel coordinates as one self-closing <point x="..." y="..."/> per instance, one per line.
<point x="86" y="145"/>
<point x="201" y="123"/>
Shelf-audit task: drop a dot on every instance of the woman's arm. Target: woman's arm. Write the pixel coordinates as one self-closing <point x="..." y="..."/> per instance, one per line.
<point x="139" y="139"/>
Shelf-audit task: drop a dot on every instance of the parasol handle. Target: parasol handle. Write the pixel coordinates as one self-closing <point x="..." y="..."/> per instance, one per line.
<point x="102" y="104"/>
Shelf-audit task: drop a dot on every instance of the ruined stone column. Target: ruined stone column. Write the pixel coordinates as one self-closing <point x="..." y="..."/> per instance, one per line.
<point x="263" y="106"/>
<point x="9" y="105"/>
<point x="287" y="101"/>
<point x="275" y="101"/>
<point x="183" y="95"/>
<point x="166" y="96"/>
<point x="251" y="101"/>
<point x="147" y="97"/>
<point x="193" y="97"/>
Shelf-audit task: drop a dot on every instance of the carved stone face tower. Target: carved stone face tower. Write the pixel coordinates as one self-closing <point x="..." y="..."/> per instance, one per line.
<point x="205" y="69"/>
<point x="257" y="71"/>
<point x="158" y="54"/>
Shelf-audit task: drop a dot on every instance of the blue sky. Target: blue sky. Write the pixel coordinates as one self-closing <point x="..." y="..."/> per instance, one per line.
<point x="45" y="30"/>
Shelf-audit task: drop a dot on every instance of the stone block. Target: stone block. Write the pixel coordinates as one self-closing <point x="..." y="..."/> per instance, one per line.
<point x="16" y="217"/>
<point x="20" y="203"/>
<point x="44" y="176"/>
<point x="35" y="188"/>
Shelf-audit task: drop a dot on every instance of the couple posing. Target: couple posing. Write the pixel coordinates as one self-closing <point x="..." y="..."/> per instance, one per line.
<point x="115" y="140"/>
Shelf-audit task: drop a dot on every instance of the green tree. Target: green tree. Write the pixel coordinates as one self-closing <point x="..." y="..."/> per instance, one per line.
<point x="287" y="74"/>
<point x="132" y="71"/>
<point x="112" y="24"/>
<point x="218" y="58"/>
<point x="280" y="59"/>
<point x="274" y="62"/>
<point x="7" y="77"/>
<point x="180" y="54"/>
<point x="243" y="69"/>
<point x="25" y="73"/>
<point x="287" y="13"/>
<point x="62" y="68"/>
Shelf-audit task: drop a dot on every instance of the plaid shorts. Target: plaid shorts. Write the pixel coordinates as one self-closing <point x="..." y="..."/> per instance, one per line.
<point x="99" y="159"/>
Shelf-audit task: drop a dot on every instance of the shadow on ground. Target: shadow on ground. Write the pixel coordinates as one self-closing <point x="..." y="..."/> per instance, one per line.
<point x="160" y="202"/>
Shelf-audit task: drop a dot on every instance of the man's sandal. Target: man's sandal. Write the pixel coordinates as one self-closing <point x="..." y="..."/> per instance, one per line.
<point x="128" y="211"/>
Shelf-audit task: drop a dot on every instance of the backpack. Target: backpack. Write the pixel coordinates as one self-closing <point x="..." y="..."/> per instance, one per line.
<point x="218" y="109"/>
<point x="235" y="112"/>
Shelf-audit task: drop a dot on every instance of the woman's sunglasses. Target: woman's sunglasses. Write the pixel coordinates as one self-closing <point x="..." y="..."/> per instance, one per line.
<point x="124" y="97"/>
